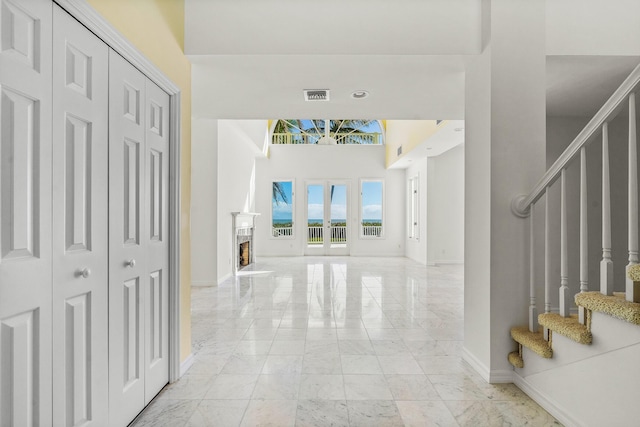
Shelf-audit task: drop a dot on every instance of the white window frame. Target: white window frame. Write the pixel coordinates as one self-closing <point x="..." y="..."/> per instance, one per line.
<point x="361" y="218"/>
<point x="413" y="207"/>
<point x="293" y="210"/>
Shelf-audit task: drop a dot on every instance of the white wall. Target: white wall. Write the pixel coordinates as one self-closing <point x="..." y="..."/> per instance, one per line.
<point x="477" y="206"/>
<point x="592" y="27"/>
<point x="445" y="207"/>
<point x="204" y="204"/>
<point x="237" y="151"/>
<point x="339" y="162"/>
<point x="416" y="249"/>
<point x="506" y="91"/>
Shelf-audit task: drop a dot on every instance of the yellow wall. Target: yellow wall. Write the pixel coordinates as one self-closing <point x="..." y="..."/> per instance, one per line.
<point x="156" y="28"/>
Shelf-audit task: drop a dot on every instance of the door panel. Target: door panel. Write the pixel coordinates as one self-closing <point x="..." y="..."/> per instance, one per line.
<point x="25" y="213"/>
<point x="128" y="276"/>
<point x="80" y="176"/>
<point x="157" y="229"/>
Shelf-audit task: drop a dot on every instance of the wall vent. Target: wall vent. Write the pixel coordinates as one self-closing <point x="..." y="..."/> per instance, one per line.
<point x="399" y="150"/>
<point x="316" y="94"/>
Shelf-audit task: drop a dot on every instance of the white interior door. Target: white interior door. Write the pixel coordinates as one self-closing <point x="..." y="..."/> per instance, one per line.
<point x="25" y="213"/>
<point x="127" y="256"/>
<point x="80" y="190"/>
<point x="138" y="240"/>
<point x="327" y="218"/>
<point x="156" y="293"/>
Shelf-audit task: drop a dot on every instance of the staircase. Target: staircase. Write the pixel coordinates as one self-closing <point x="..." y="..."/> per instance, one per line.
<point x="581" y="361"/>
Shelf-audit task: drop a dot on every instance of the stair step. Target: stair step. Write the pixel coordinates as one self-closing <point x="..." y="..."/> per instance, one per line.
<point x="516" y="360"/>
<point x="532" y="340"/>
<point x="569" y="327"/>
<point x="615" y="306"/>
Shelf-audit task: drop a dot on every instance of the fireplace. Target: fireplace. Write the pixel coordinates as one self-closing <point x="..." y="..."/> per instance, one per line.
<point x="243" y="254"/>
<point x="243" y="225"/>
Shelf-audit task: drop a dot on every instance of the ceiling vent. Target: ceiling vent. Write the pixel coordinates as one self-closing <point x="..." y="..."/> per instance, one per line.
<point x="316" y="94"/>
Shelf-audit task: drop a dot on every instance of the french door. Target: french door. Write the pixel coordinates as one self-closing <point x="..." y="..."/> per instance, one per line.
<point x="327" y="212"/>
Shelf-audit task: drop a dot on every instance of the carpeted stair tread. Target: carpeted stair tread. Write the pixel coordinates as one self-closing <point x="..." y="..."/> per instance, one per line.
<point x="634" y="273"/>
<point x="534" y="341"/>
<point x="569" y="327"/>
<point x="611" y="305"/>
<point x="516" y="360"/>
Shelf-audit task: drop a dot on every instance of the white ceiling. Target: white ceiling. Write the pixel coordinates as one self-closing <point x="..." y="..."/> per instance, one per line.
<point x="252" y="59"/>
<point x="254" y="86"/>
<point x="329" y="27"/>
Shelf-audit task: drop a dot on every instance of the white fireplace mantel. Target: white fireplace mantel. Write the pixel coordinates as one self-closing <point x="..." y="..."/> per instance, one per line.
<point x="242" y="224"/>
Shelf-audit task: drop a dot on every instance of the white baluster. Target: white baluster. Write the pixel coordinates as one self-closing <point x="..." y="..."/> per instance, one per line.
<point x="564" y="277"/>
<point x="632" y="293"/>
<point x="584" y="232"/>
<point x="606" y="265"/>
<point x="547" y="259"/>
<point x="533" y="310"/>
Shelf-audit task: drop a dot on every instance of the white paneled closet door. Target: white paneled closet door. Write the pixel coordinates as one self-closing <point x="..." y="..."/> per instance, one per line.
<point x="156" y="359"/>
<point x="138" y="232"/>
<point x="80" y="209"/>
<point x="25" y="213"/>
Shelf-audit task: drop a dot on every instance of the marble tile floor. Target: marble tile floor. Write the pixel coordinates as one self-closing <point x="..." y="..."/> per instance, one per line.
<point x="335" y="341"/>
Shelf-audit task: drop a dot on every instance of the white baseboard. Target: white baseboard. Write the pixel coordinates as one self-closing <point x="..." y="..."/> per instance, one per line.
<point x="449" y="262"/>
<point x="548" y="404"/>
<point x="501" y="376"/>
<point x="203" y="283"/>
<point x="493" y="377"/>
<point x="186" y="364"/>
<point x="225" y="277"/>
<point x="476" y="364"/>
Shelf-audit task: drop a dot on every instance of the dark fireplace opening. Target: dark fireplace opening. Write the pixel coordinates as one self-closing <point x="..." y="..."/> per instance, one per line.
<point x="244" y="254"/>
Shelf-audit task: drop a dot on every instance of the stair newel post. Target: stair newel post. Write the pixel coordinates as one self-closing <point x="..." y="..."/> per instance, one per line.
<point x="632" y="292"/>
<point x="564" y="277"/>
<point x="584" y="232"/>
<point x="533" y="310"/>
<point x="606" y="265"/>
<point x="547" y="259"/>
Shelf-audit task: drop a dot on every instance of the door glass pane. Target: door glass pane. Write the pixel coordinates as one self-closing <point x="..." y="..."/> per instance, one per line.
<point x="315" y="215"/>
<point x="371" y="209"/>
<point x="282" y="209"/>
<point x="338" y="218"/>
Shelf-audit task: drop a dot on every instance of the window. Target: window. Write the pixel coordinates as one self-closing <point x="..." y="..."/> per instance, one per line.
<point x="282" y="209"/>
<point x="327" y="132"/>
<point x="413" y="221"/>
<point x="371" y="208"/>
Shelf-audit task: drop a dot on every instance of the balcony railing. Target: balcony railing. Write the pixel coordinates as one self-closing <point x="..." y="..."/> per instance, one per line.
<point x="315" y="235"/>
<point x="341" y="138"/>
<point x="371" y="230"/>
<point x="282" y="231"/>
<point x="339" y="234"/>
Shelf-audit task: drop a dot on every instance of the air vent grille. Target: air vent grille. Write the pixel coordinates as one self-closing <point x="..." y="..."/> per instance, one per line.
<point x="316" y="94"/>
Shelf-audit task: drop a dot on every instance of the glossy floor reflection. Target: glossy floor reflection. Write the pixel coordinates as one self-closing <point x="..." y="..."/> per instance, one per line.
<point x="335" y="341"/>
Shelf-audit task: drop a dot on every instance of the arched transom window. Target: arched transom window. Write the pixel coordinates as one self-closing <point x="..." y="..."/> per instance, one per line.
<point x="327" y="132"/>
